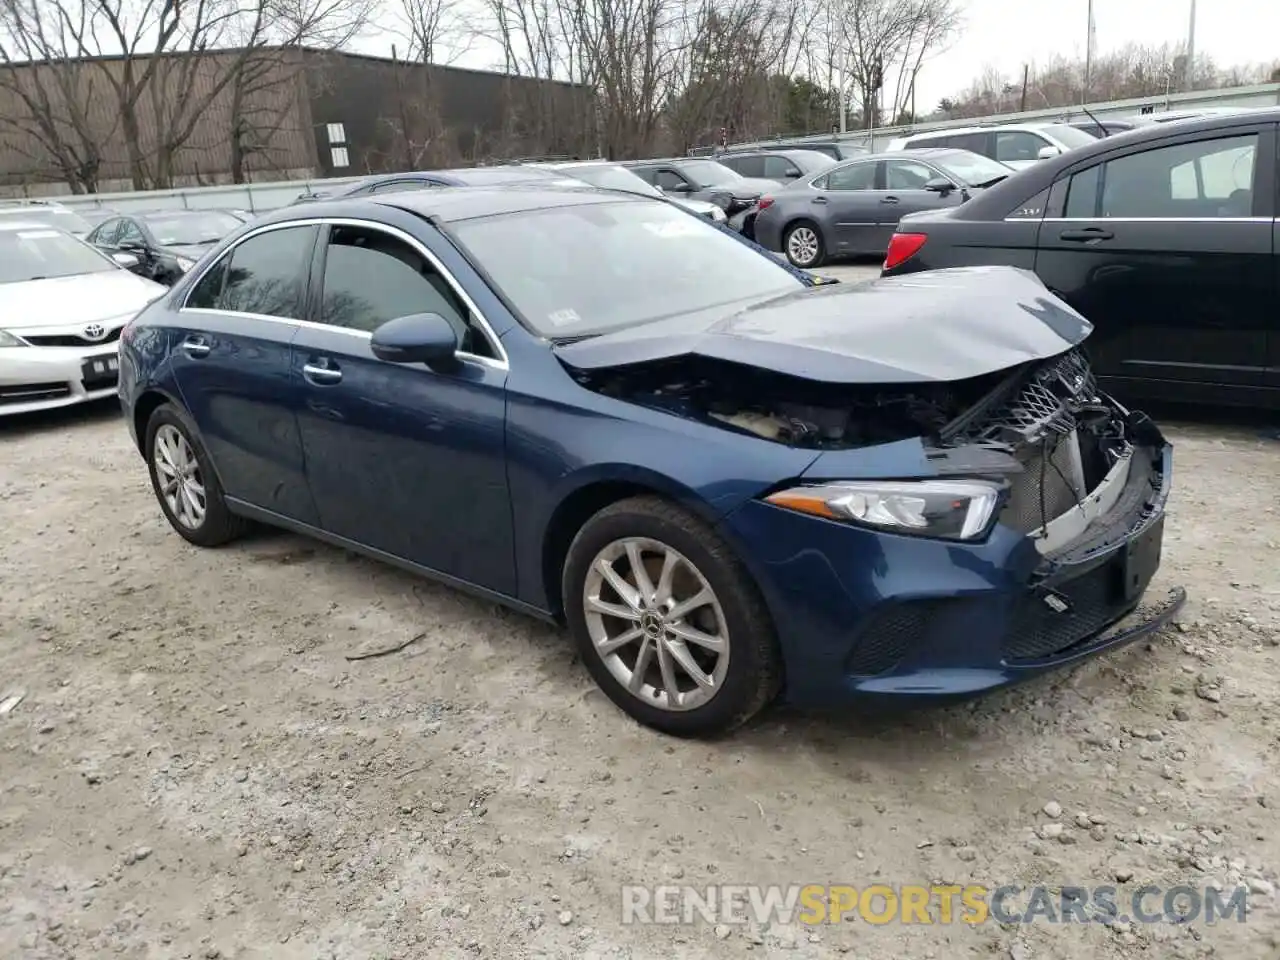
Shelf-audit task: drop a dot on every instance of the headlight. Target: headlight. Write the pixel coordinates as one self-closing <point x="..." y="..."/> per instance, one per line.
<point x="7" y="339"/>
<point x="950" y="509"/>
<point x="184" y="264"/>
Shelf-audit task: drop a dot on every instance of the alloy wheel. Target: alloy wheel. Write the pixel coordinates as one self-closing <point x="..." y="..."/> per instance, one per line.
<point x="656" y="623"/>
<point x="180" y="480"/>
<point x="802" y="246"/>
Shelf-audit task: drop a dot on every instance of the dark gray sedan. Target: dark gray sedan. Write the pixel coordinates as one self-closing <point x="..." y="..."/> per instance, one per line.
<point x="853" y="208"/>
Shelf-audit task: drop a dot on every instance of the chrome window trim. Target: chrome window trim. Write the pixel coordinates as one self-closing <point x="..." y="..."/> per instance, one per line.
<point x="1143" y="219"/>
<point x="500" y="362"/>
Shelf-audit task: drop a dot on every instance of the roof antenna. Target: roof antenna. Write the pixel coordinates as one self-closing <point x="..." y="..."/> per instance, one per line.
<point x="1102" y="131"/>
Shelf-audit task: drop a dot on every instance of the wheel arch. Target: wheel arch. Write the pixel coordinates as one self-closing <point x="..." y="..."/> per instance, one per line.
<point x="147" y="403"/>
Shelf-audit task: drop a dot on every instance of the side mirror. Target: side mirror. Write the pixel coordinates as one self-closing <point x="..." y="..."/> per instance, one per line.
<point x="126" y="260"/>
<point x="1048" y="153"/>
<point x="939" y="185"/>
<point x="418" y="338"/>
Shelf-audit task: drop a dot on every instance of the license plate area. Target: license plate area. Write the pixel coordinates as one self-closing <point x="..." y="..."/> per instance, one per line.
<point x="1141" y="559"/>
<point x="97" y="373"/>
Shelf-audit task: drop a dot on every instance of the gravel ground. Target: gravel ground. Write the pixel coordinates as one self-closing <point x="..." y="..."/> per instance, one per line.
<point x="197" y="770"/>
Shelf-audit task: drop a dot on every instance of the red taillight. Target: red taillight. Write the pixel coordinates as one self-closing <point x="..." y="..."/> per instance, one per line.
<point x="764" y="203"/>
<point x="902" y="247"/>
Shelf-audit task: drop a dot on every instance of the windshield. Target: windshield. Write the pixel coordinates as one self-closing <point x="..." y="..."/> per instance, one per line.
<point x="62" y="219"/>
<point x="708" y="173"/>
<point x="1069" y="137"/>
<point x="40" y="253"/>
<point x="191" y="229"/>
<point x="609" y="177"/>
<point x="973" y="168"/>
<point x="595" y="268"/>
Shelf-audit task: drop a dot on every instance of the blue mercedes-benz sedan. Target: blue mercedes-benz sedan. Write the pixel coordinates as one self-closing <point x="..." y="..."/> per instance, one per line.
<point x="728" y="482"/>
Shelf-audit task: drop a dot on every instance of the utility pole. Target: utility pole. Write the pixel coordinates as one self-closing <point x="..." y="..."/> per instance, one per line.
<point x="1191" y="49"/>
<point x="838" y="40"/>
<point x="1026" y="76"/>
<point x="1088" y="55"/>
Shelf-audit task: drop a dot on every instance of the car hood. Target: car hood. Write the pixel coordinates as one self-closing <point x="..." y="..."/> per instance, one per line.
<point x="65" y="301"/>
<point x="939" y="325"/>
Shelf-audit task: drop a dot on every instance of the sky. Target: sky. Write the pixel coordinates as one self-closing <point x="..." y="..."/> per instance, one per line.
<point x="1005" y="34"/>
<point x="1008" y="33"/>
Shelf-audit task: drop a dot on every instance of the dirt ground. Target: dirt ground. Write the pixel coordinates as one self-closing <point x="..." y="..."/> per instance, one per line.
<point x="196" y="769"/>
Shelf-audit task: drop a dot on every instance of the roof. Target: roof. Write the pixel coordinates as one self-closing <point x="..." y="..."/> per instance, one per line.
<point x="7" y="225"/>
<point x="454" y="204"/>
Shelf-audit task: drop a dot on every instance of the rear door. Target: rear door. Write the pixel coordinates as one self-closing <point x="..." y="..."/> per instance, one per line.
<point x="230" y="358"/>
<point x="1272" y="376"/>
<point x="846" y="204"/>
<point x="1167" y="249"/>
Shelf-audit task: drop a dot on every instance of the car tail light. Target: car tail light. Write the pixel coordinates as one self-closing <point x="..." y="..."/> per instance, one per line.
<point x="764" y="203"/>
<point x="902" y="247"/>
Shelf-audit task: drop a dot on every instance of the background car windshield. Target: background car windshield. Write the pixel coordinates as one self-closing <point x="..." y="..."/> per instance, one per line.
<point x="62" y="219"/>
<point x="972" y="168"/>
<point x="1070" y="137"/>
<point x="708" y="173"/>
<point x="613" y="178"/>
<point x="595" y="268"/>
<point x="39" y="253"/>
<point x="191" y="229"/>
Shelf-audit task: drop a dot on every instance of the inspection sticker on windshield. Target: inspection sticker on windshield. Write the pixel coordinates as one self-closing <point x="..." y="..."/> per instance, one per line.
<point x="674" y="228"/>
<point x="562" y="318"/>
<point x="37" y="234"/>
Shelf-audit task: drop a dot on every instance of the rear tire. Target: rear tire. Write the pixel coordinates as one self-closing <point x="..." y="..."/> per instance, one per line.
<point x="693" y="622"/>
<point x="802" y="244"/>
<point x="185" y="483"/>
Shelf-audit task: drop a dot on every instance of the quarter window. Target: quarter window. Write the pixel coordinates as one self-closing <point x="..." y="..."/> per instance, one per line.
<point x="1206" y="178"/>
<point x="371" y="277"/>
<point x="265" y="274"/>
<point x="1082" y="194"/>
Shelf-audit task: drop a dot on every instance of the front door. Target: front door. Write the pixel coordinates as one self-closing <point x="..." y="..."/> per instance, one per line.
<point x="904" y="193"/>
<point x="1167" y="250"/>
<point x="403" y="458"/>
<point x="231" y="363"/>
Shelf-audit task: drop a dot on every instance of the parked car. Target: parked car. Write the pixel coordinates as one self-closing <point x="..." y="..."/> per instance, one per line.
<point x="93" y="216"/>
<point x="608" y="175"/>
<point x="44" y="211"/>
<point x="602" y="411"/>
<point x="62" y="306"/>
<point x="696" y="178"/>
<point x="781" y="166"/>
<point x="167" y="243"/>
<point x="835" y="149"/>
<point x="853" y="208"/>
<point x="1164" y="237"/>
<point x="1019" y="145"/>
<point x="1105" y="128"/>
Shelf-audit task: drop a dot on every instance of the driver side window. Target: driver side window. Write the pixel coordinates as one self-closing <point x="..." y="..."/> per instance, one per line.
<point x="129" y="233"/>
<point x="907" y="175"/>
<point x="670" y="180"/>
<point x="371" y="277"/>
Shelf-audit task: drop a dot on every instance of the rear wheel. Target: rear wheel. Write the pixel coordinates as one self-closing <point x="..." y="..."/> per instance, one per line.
<point x="668" y="621"/>
<point x="184" y="482"/>
<point x="803" y="245"/>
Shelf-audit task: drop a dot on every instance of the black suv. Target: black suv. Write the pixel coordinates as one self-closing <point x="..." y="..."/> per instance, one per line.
<point x="1164" y="237"/>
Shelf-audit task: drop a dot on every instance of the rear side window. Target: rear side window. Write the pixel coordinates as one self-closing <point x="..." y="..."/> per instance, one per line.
<point x="856" y="176"/>
<point x="928" y="142"/>
<point x="778" y="168"/>
<point x="747" y="166"/>
<point x="1018" y="145"/>
<point x="975" y="142"/>
<point x="265" y="274"/>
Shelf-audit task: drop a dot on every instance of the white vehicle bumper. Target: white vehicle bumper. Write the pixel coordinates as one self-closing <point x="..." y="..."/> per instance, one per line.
<point x="43" y="378"/>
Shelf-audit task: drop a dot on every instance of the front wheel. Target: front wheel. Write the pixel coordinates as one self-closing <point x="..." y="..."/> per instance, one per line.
<point x="668" y="621"/>
<point x="803" y="246"/>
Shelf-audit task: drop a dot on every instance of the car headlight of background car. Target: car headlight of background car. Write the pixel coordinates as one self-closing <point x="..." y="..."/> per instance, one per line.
<point x="948" y="509"/>
<point x="7" y="339"/>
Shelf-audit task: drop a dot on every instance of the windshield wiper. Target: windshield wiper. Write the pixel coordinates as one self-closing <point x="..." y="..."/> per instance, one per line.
<point x="992" y="182"/>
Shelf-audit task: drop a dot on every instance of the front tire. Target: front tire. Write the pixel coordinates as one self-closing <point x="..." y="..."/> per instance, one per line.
<point x="185" y="483"/>
<point x="668" y="621"/>
<point x="802" y="244"/>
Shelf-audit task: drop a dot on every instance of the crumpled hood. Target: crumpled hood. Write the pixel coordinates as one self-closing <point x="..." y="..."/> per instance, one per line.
<point x="933" y="326"/>
<point x="67" y="301"/>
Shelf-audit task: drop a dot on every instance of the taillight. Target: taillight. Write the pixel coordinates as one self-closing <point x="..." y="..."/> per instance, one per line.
<point x="764" y="203"/>
<point x="902" y="247"/>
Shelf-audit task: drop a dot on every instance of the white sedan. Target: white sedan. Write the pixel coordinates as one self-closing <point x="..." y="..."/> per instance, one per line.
<point x="63" y="304"/>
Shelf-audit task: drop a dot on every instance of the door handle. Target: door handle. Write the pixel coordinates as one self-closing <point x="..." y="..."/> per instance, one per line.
<point x="321" y="375"/>
<point x="1086" y="235"/>
<point x="818" y="200"/>
<point x="196" y="347"/>
<point x="889" y="200"/>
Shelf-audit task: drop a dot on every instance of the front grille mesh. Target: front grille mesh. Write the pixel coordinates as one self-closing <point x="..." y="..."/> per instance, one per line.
<point x="1043" y="404"/>
<point x="890" y="633"/>
<point x="70" y="340"/>
<point x="1038" y="630"/>
<point x="1043" y="491"/>
<point x="31" y="392"/>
